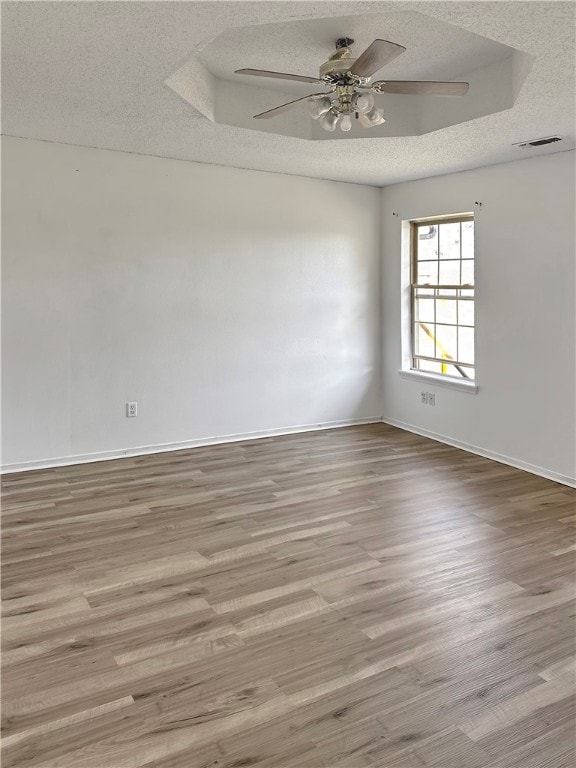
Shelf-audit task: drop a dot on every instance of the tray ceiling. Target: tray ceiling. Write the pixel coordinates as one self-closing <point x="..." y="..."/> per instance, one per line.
<point x="435" y="51"/>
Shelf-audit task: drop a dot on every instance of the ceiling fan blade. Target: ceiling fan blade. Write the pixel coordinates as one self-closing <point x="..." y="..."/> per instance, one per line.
<point x="285" y="107"/>
<point x="277" y="75"/>
<point x="378" y="53"/>
<point x="421" y="87"/>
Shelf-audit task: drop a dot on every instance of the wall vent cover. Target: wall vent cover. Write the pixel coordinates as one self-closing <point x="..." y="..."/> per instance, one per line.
<point x="537" y="142"/>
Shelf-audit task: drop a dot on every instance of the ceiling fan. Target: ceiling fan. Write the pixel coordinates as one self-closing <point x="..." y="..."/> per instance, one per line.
<point x="351" y="93"/>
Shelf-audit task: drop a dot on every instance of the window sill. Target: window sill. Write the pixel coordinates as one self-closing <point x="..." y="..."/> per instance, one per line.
<point x="469" y="387"/>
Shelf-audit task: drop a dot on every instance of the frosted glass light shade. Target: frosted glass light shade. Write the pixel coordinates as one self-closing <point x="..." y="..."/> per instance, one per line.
<point x="345" y="123"/>
<point x="329" y="120"/>
<point x="374" y="117"/>
<point x="363" y="102"/>
<point x="319" y="107"/>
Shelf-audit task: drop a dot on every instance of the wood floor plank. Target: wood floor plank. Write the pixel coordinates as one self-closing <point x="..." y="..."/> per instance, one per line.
<point x="352" y="598"/>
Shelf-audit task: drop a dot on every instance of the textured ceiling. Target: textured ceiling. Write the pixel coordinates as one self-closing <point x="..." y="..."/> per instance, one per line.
<point x="93" y="73"/>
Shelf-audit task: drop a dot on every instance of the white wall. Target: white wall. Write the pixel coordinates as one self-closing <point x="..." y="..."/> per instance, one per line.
<point x="229" y="302"/>
<point x="525" y="253"/>
<point x="223" y="301"/>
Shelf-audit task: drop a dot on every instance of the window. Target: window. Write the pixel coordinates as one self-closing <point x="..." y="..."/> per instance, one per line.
<point x="442" y="296"/>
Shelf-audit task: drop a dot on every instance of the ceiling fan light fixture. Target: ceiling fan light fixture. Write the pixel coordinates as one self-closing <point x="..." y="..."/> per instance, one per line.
<point x="319" y="106"/>
<point x="363" y="102"/>
<point x="372" y="118"/>
<point x="345" y="123"/>
<point x="330" y="120"/>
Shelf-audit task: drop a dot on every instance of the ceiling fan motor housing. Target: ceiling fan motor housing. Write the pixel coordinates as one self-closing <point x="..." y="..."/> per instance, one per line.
<point x="336" y="69"/>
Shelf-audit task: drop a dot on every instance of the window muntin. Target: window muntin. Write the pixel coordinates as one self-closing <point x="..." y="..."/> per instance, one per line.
<point x="442" y="290"/>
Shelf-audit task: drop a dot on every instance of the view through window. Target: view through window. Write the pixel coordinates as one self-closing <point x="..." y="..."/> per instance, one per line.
<point x="443" y="296"/>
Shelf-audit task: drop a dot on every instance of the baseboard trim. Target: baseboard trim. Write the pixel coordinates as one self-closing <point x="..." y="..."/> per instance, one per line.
<point x="511" y="462"/>
<point x="144" y="450"/>
<point x="88" y="458"/>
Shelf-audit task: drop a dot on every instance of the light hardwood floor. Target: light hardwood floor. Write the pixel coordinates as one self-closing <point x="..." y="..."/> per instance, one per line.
<point x="352" y="598"/>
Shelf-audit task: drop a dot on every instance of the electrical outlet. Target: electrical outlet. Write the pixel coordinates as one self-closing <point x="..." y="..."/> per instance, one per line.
<point x="131" y="410"/>
<point x="424" y="398"/>
<point x="431" y="398"/>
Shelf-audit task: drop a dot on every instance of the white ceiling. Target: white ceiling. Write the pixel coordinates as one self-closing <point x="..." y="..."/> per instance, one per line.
<point x="93" y="73"/>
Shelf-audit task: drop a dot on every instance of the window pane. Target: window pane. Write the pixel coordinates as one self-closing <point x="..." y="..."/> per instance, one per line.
<point x="445" y="341"/>
<point x="467" y="239"/>
<point x="452" y="371"/>
<point x="446" y="311"/>
<point x="427" y="242"/>
<point x="466" y="345"/>
<point x="424" y="344"/>
<point x="427" y="272"/>
<point x="467" y="273"/>
<point x="425" y="310"/>
<point x="429" y="366"/>
<point x="466" y="312"/>
<point x="450" y="272"/>
<point x="450" y="241"/>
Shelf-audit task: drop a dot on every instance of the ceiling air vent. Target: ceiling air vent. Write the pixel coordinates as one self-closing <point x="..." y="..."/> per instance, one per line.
<point x="537" y="142"/>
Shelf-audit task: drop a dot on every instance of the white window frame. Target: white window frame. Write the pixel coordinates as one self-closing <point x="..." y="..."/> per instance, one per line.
<point x="408" y="289"/>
